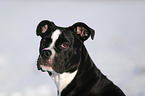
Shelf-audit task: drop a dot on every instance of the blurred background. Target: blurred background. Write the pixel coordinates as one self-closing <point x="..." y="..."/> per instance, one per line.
<point x="118" y="49"/>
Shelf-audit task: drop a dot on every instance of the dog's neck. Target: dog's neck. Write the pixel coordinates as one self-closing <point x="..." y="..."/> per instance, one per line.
<point x="85" y="69"/>
<point x="62" y="80"/>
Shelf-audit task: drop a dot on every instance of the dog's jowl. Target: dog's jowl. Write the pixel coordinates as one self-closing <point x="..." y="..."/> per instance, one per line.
<point x="64" y="56"/>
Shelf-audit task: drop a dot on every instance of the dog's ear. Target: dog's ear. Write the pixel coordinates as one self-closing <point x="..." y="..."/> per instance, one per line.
<point x="45" y="27"/>
<point x="83" y="31"/>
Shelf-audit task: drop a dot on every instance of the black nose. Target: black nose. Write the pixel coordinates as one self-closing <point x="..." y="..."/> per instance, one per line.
<point x="46" y="53"/>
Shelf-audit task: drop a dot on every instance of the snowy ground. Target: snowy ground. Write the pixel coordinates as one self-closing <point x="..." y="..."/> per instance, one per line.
<point x="118" y="49"/>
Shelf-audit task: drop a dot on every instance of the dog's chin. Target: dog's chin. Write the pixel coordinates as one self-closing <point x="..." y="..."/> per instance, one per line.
<point x="48" y="69"/>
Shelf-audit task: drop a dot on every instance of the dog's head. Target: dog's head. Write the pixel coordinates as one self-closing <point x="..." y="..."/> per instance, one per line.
<point x="60" y="48"/>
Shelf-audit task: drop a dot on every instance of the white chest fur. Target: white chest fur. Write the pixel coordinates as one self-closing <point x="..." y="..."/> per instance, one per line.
<point x="62" y="80"/>
<point x="65" y="79"/>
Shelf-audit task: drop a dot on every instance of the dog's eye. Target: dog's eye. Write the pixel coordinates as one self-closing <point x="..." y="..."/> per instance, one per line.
<point x="64" y="45"/>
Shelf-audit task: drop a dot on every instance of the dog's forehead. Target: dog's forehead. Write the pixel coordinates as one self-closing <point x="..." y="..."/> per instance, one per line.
<point x="61" y="32"/>
<point x="55" y="35"/>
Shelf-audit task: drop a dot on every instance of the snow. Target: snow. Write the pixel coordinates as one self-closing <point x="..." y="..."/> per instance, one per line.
<point x="118" y="48"/>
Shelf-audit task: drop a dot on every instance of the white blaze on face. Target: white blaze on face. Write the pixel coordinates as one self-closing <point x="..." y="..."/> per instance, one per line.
<point x="55" y="35"/>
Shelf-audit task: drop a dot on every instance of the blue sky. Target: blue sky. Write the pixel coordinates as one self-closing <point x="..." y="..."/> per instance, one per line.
<point x="118" y="48"/>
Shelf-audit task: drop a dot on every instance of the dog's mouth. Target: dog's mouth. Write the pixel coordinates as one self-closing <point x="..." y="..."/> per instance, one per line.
<point x="45" y="68"/>
<point x="48" y="69"/>
<point x="44" y="65"/>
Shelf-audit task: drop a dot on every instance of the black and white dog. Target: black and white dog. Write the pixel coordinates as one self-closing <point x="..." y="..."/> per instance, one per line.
<point x="64" y="56"/>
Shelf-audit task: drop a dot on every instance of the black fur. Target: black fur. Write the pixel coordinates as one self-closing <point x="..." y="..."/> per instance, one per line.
<point x="89" y="81"/>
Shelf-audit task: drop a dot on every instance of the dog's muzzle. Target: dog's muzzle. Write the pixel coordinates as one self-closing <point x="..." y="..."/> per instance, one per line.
<point x="44" y="64"/>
